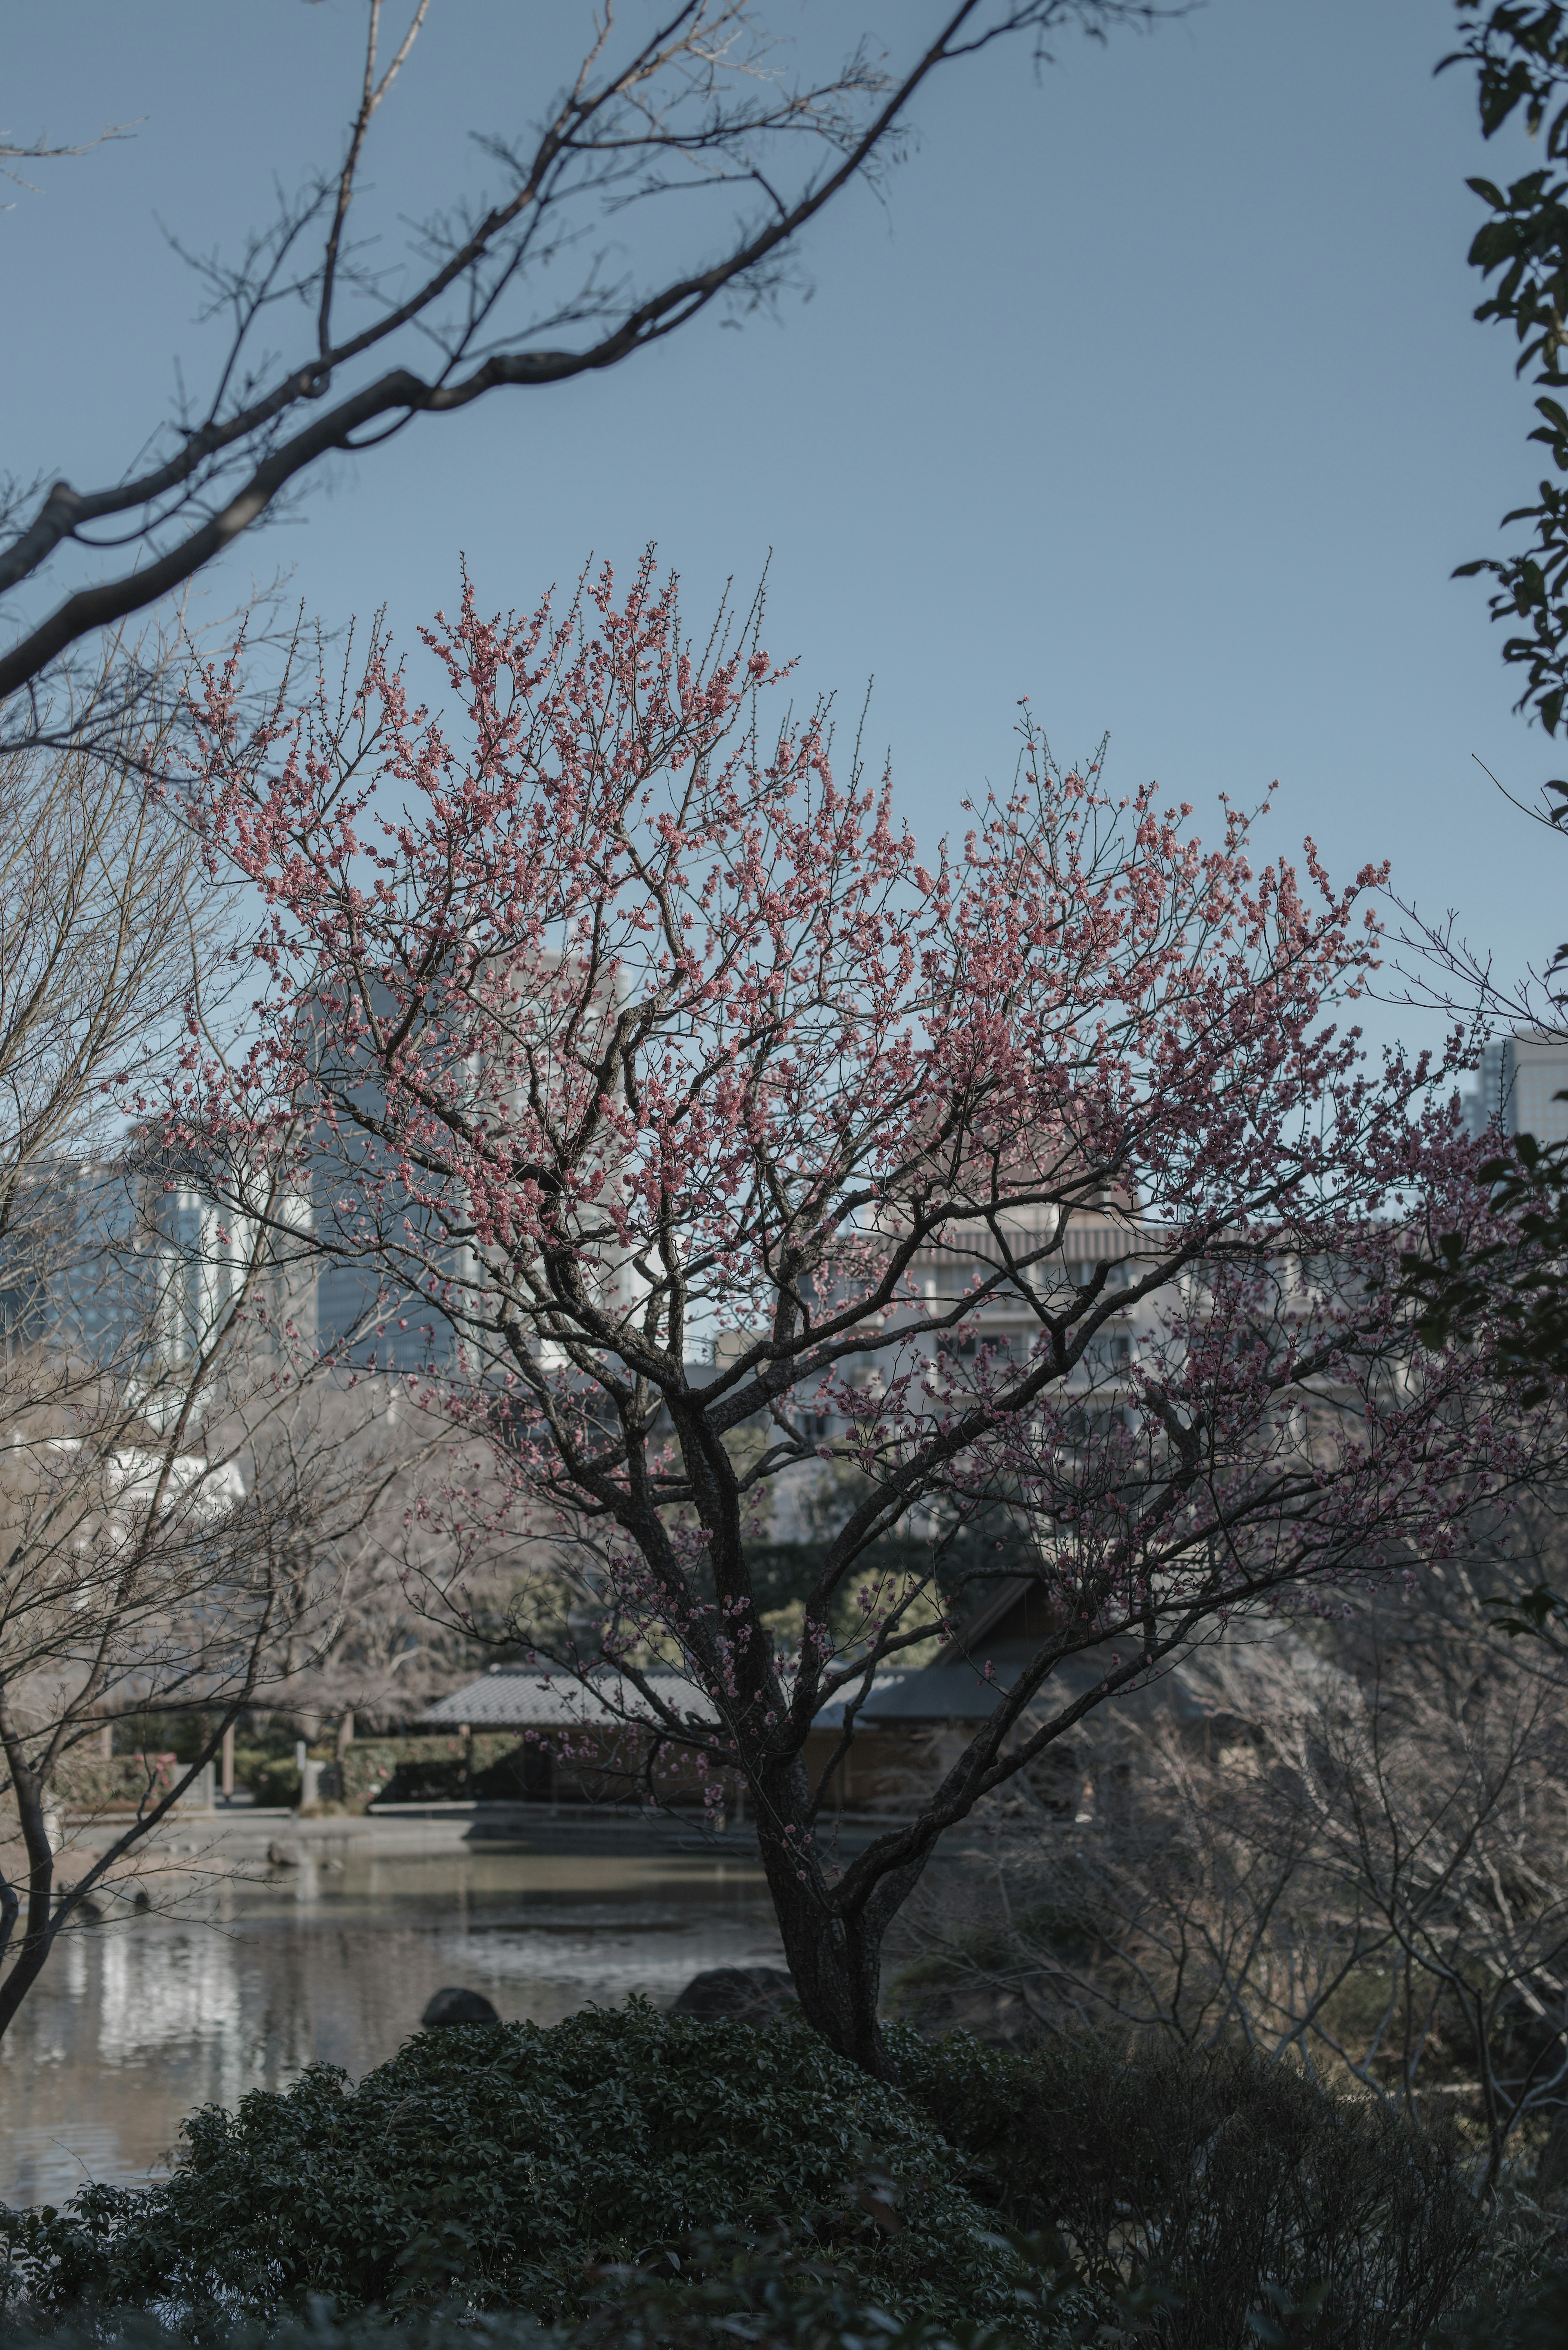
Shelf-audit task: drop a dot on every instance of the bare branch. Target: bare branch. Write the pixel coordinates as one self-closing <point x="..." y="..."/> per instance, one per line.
<point x="697" y="105"/>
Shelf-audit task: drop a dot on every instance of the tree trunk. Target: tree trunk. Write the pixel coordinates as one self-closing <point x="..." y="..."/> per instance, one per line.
<point x="34" y="1948"/>
<point x="835" y="1954"/>
<point x="30" y="1789"/>
<point x="837" y="1970"/>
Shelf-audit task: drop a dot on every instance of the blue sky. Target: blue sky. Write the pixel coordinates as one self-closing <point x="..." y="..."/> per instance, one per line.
<point x="1152" y="391"/>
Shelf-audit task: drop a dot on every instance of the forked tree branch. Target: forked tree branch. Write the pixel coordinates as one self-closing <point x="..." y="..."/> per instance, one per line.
<point x="692" y="106"/>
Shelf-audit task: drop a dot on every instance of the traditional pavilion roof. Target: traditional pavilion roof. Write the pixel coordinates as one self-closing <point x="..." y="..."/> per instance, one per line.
<point x="532" y="1697"/>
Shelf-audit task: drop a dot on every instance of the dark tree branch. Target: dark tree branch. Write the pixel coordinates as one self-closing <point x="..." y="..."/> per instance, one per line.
<point x="691" y="106"/>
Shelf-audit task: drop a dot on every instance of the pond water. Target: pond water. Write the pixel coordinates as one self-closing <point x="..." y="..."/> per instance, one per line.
<point x="239" y="1985"/>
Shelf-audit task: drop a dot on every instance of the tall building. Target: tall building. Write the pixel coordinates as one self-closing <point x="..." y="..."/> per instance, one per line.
<point x="386" y="1257"/>
<point x="72" y="1267"/>
<point x="129" y="1262"/>
<point x="371" y="1236"/>
<point x="1522" y="1086"/>
<point x="372" y="1239"/>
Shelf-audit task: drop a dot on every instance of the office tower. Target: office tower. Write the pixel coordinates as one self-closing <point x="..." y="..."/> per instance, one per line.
<point x="1520" y="1086"/>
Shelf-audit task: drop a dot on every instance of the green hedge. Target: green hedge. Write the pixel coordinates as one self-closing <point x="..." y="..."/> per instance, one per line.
<point x="699" y="2183"/>
<point x="495" y="1767"/>
<point x="423" y="1770"/>
<point x="505" y="2165"/>
<point x="775" y="2293"/>
<point x="273" y="1779"/>
<point x="96" y="1783"/>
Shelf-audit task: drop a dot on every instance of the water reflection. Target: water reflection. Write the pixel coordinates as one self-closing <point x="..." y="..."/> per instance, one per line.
<point x="133" y="2025"/>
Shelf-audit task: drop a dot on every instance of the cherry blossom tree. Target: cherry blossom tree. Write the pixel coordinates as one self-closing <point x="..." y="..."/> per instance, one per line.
<point x="740" y="1150"/>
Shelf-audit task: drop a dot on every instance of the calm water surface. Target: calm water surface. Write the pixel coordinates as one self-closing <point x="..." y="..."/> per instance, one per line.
<point x="243" y="1983"/>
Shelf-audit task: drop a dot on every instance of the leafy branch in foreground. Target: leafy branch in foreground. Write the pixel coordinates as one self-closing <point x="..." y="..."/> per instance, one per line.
<point x="1519" y="50"/>
<point x="1512" y="1280"/>
<point x="1512" y="1276"/>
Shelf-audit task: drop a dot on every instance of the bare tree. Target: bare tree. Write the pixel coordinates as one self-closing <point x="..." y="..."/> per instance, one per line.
<point x="405" y="1594"/>
<point x="13" y="151"/>
<point x="208" y="1517"/>
<point x="173" y="1504"/>
<point x="161" y="1531"/>
<point x="1359" y="1871"/>
<point x="107" y="923"/>
<point x="692" y="106"/>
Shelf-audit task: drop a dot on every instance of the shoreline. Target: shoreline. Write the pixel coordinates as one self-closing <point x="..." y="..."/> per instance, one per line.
<point x="413" y="1831"/>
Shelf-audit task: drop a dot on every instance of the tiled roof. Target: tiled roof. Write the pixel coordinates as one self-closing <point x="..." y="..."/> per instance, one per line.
<point x="527" y="1697"/>
<point x="831" y="1716"/>
<point x="939" y="1693"/>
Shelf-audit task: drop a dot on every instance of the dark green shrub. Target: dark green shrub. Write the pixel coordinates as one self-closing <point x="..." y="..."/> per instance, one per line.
<point x="274" y="1782"/>
<point x="518" y="1773"/>
<point x="423" y="1770"/>
<point x="521" y="1775"/>
<point x="497" y="2166"/>
<point x="428" y="1780"/>
<point x="767" y="2294"/>
<point x="118" y="1783"/>
<point x="1233" y="2182"/>
<point x="179" y="1733"/>
<point x="139" y="2329"/>
<point x="1521" y="2314"/>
